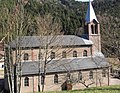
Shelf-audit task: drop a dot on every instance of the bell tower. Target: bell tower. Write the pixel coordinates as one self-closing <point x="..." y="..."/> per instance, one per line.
<point x="92" y="29"/>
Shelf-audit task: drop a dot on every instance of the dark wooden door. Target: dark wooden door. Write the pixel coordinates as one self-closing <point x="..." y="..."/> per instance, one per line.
<point x="66" y="86"/>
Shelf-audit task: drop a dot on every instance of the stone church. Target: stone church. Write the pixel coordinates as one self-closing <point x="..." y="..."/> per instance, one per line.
<point x="67" y="62"/>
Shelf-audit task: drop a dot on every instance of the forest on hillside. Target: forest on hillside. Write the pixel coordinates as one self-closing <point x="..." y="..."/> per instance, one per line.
<point x="70" y="15"/>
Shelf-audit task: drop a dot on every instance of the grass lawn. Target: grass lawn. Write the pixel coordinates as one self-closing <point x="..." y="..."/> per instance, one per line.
<point x="105" y="89"/>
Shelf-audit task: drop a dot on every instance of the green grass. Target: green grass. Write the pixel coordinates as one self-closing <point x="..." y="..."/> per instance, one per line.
<point x="105" y="89"/>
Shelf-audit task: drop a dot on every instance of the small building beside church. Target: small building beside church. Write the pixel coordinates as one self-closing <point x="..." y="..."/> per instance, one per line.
<point x="72" y="62"/>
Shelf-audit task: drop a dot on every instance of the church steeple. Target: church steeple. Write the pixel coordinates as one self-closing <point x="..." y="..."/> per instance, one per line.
<point x="90" y="16"/>
<point x="92" y="29"/>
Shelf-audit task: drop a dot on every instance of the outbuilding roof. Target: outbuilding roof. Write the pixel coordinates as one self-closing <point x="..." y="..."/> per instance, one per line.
<point x="64" y="65"/>
<point x="41" y="41"/>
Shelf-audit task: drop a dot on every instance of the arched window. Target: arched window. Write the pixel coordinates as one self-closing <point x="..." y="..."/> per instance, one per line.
<point x="40" y="56"/>
<point x="96" y="29"/>
<point x="26" y="81"/>
<point x="42" y="79"/>
<point x="68" y="75"/>
<point x="91" y="75"/>
<point x="52" y="56"/>
<point x="26" y="56"/>
<point x="64" y="54"/>
<point x="92" y="29"/>
<point x="2" y="66"/>
<point x="104" y="73"/>
<point x="85" y="53"/>
<point x="56" y="78"/>
<point x="80" y="75"/>
<point x="74" y="53"/>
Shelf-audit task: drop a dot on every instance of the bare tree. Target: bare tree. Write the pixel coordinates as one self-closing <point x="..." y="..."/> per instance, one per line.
<point x="48" y="30"/>
<point x="110" y="35"/>
<point x="13" y="23"/>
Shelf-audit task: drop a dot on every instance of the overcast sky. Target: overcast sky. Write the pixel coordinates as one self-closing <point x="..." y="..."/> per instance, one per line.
<point x="84" y="0"/>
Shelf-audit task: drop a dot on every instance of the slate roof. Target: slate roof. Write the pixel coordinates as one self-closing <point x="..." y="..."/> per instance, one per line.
<point x="64" y="65"/>
<point x="60" y="40"/>
<point x="90" y="16"/>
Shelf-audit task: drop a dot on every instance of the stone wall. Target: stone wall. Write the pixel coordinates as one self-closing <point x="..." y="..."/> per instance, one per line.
<point x="97" y="80"/>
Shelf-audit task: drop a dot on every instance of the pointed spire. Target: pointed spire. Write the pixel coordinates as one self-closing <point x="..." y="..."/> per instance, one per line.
<point x="90" y="16"/>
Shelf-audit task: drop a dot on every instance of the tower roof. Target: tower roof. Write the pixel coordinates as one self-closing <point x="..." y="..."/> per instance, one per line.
<point x="90" y="16"/>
